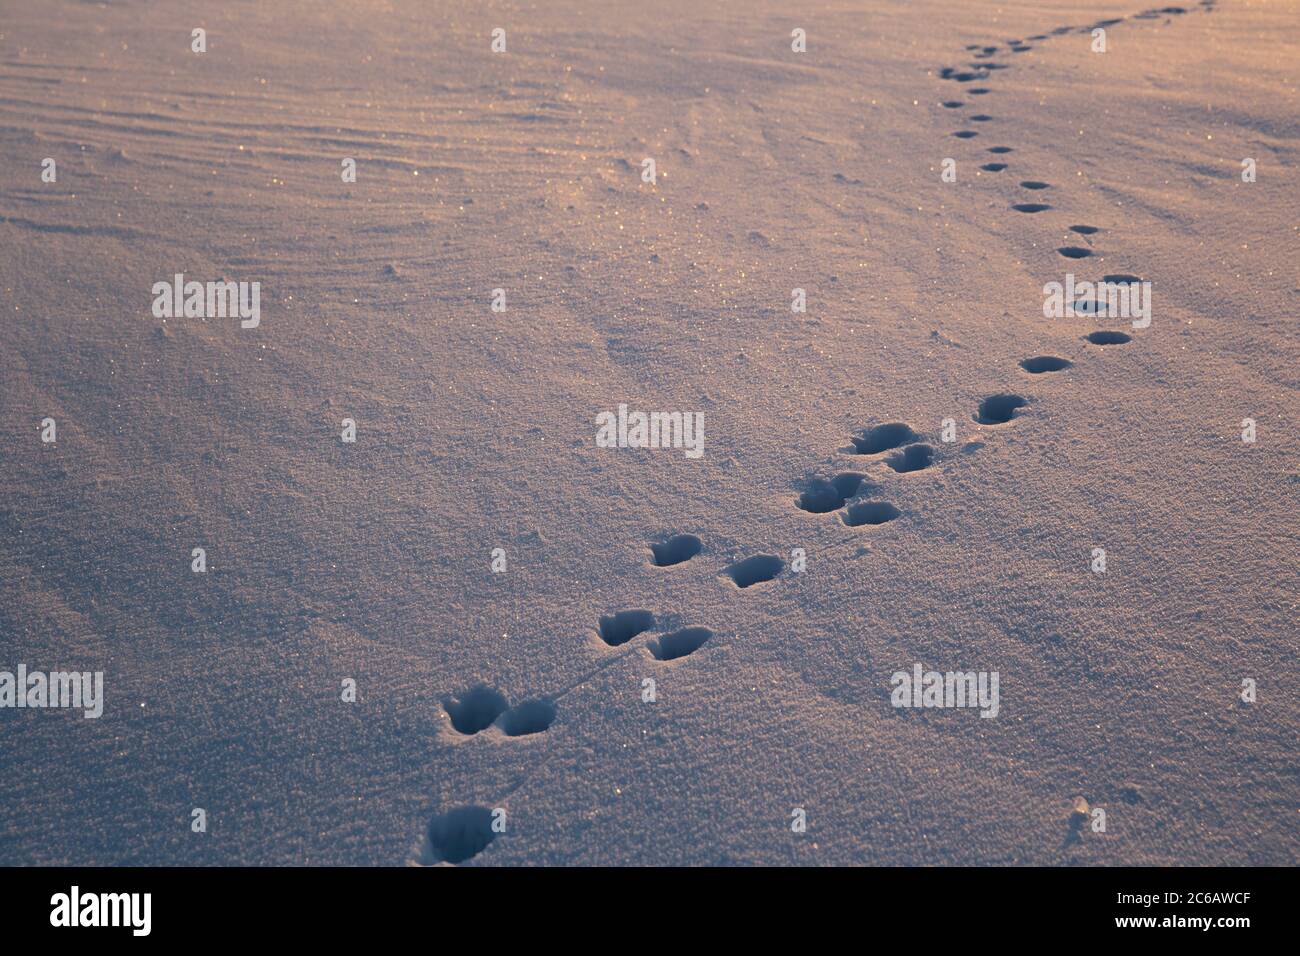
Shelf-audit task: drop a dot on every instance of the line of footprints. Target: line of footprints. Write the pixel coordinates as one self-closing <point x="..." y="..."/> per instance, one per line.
<point x="981" y="72"/>
<point x="464" y="832"/>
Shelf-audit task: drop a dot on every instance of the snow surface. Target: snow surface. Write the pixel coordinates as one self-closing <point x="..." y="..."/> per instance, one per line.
<point x="476" y="431"/>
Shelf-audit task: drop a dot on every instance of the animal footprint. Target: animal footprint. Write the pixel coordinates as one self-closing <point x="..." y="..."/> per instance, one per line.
<point x="1030" y="206"/>
<point x="1085" y="230"/>
<point x="1074" y="252"/>
<point x="457" y="835"/>
<point x="1044" y="363"/>
<point x="530" y="717"/>
<point x="869" y="513"/>
<point x="676" y="550"/>
<point x="911" y="458"/>
<point x="1034" y="184"/>
<point x="617" y="629"/>
<point x="1092" y="306"/>
<point x="994" y="167"/>
<point x="823" y="496"/>
<point x="999" y="409"/>
<point x="670" y="647"/>
<point x="482" y="707"/>
<point x="755" y="570"/>
<point x="883" y="438"/>
<point x="477" y="709"/>
<point x="1109" y="338"/>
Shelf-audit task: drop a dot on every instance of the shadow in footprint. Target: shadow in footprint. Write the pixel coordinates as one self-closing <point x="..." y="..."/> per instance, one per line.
<point x="978" y="90"/>
<point x="1121" y="278"/>
<point x="884" y="437"/>
<point x="823" y="496"/>
<point x="994" y="167"/>
<point x="1109" y="338"/>
<point x="1030" y="206"/>
<point x="953" y="104"/>
<point x="669" y="647"/>
<point x="530" y="717"/>
<point x="869" y="513"/>
<point x="1074" y="252"/>
<point x="999" y="409"/>
<point x="459" y="835"/>
<point x="1085" y="230"/>
<point x="1098" y="307"/>
<point x="965" y="134"/>
<point x="619" y="628"/>
<point x="911" y="458"/>
<point x="755" y="570"/>
<point x="476" y="709"/>
<point x="675" y="550"/>
<point x="1034" y="184"/>
<point x="1000" y="150"/>
<point x="1044" y="363"/>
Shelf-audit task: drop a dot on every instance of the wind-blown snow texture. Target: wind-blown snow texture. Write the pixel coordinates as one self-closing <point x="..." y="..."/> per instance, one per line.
<point x="776" y="170"/>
